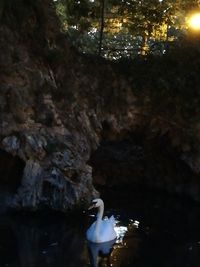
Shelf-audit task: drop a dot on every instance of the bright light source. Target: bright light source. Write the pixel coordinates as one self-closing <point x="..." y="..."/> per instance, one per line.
<point x="194" y="21"/>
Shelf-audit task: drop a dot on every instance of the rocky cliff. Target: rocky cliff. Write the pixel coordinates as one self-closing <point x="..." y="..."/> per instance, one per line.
<point x="57" y="106"/>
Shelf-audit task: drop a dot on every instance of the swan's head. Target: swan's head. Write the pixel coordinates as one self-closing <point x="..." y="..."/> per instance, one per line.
<point x="97" y="202"/>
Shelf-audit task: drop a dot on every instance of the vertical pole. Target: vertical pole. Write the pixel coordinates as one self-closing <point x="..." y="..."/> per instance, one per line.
<point x="101" y="27"/>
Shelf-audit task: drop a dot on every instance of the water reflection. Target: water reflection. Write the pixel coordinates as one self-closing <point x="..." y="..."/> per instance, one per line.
<point x="150" y="233"/>
<point x="99" y="252"/>
<point x="41" y="242"/>
<point x="57" y="242"/>
<point x="116" y="253"/>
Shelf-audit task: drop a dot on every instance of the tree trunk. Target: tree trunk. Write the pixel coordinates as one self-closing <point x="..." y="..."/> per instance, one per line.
<point x="144" y="46"/>
<point x="101" y="27"/>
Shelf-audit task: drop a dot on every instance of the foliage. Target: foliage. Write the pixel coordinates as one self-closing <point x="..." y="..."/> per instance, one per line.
<point x="130" y="27"/>
<point x="171" y="81"/>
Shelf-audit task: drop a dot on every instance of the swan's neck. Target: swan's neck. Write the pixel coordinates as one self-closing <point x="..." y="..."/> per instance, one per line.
<point x="99" y="220"/>
<point x="100" y="212"/>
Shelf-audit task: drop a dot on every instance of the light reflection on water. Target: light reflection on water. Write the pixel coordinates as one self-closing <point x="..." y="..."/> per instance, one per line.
<point x="151" y="234"/>
<point x="121" y="231"/>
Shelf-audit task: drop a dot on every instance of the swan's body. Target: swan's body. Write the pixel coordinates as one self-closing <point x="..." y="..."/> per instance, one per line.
<point x="101" y="230"/>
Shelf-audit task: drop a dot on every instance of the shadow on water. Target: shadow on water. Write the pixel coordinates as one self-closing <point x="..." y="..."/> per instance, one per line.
<point x="45" y="240"/>
<point x="153" y="230"/>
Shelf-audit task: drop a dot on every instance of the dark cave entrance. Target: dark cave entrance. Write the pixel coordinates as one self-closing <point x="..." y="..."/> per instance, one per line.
<point x="135" y="161"/>
<point x="11" y="171"/>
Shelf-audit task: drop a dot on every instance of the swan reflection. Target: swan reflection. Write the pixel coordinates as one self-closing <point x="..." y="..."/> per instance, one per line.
<point x="100" y="251"/>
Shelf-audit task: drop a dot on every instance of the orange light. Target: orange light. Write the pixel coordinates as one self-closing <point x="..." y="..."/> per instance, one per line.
<point x="194" y="21"/>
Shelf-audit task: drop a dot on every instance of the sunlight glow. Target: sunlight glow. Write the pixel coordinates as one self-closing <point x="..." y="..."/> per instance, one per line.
<point x="194" y="21"/>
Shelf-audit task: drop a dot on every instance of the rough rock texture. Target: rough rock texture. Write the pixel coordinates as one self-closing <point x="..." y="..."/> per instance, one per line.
<point x="51" y="134"/>
<point x="51" y="109"/>
<point x="56" y="106"/>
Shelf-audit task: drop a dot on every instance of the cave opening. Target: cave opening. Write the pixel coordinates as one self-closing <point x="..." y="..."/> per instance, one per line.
<point x="138" y="162"/>
<point x="11" y="171"/>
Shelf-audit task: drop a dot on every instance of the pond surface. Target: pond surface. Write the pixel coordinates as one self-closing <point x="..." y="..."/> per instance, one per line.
<point x="154" y="230"/>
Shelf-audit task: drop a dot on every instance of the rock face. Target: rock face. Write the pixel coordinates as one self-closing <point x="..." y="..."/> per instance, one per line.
<point x="49" y="133"/>
<point x="56" y="106"/>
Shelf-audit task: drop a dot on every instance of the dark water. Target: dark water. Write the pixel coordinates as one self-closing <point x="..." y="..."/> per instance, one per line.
<point x="168" y="235"/>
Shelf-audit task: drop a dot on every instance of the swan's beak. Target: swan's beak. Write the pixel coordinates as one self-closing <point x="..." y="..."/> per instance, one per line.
<point x="91" y="207"/>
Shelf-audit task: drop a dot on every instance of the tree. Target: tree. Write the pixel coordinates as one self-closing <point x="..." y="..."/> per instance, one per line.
<point x="117" y="28"/>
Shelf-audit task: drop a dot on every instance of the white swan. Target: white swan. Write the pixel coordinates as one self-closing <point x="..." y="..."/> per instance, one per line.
<point x="101" y="230"/>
